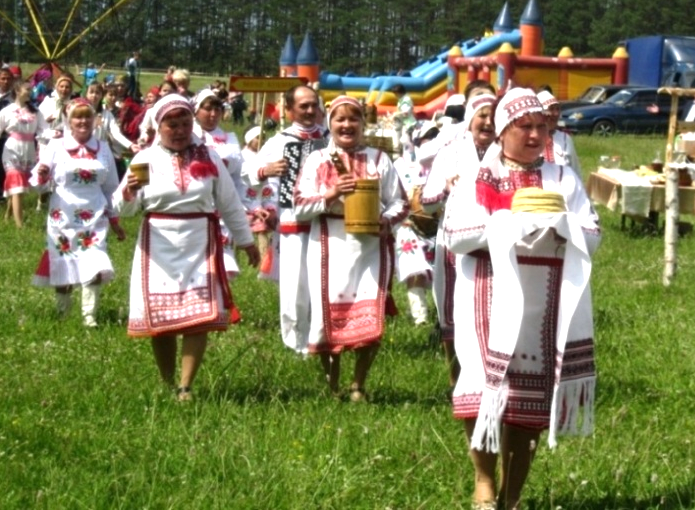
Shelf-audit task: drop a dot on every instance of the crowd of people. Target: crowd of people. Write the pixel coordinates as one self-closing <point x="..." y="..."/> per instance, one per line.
<point x="485" y="208"/>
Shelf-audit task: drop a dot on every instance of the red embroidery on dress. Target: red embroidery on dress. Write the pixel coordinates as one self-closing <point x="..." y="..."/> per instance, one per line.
<point x="549" y="153"/>
<point x="194" y="163"/>
<point x="495" y="193"/>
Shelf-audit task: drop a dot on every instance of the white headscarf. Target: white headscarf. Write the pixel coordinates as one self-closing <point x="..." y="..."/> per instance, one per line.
<point x="251" y="134"/>
<point x="547" y="99"/>
<point x="474" y="105"/>
<point x="202" y="96"/>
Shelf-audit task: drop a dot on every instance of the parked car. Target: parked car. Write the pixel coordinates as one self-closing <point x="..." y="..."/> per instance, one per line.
<point x="632" y="110"/>
<point x="595" y="94"/>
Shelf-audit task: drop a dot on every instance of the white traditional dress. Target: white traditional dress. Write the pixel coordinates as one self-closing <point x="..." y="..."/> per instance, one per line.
<point x="294" y="144"/>
<point x="19" y="154"/>
<point x="559" y="149"/>
<point x="459" y="158"/>
<point x="414" y="251"/>
<point x="53" y="110"/>
<point x="348" y="283"/>
<point x="524" y="329"/>
<point x="253" y="199"/>
<point x="83" y="178"/>
<point x="226" y="145"/>
<point x="178" y="282"/>
<point x="106" y="129"/>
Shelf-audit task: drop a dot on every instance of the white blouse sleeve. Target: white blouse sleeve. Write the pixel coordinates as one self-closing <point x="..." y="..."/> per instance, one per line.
<point x="229" y="205"/>
<point x="465" y="221"/>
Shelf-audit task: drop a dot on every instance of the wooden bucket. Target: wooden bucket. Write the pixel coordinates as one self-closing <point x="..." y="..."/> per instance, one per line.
<point x="363" y="208"/>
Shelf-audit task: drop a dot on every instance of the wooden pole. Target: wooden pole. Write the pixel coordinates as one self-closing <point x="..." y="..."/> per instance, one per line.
<point x="262" y="123"/>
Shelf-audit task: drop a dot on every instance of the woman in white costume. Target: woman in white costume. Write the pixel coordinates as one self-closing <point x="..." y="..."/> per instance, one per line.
<point x="23" y="123"/>
<point x="81" y="172"/>
<point x="348" y="283"/>
<point x="208" y="114"/>
<point x="456" y="162"/>
<point x="559" y="148"/>
<point x="524" y="329"/>
<point x="415" y="236"/>
<point x="179" y="284"/>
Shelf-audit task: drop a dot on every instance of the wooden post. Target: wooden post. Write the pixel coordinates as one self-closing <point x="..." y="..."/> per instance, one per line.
<point x="262" y="123"/>
<point x="672" y="206"/>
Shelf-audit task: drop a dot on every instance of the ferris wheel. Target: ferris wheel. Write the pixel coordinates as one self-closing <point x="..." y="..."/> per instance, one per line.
<point x="50" y="47"/>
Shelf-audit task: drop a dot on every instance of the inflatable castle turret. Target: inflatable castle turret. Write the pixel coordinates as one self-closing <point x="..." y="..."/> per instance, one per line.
<point x="504" y="23"/>
<point x="308" y="60"/>
<point x="288" y="59"/>
<point x="531" y="26"/>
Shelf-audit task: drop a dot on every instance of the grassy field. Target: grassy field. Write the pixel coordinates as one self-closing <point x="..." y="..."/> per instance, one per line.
<point x="85" y="424"/>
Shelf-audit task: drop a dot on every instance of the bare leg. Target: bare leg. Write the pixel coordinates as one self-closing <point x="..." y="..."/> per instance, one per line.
<point x="452" y="362"/>
<point x="43" y="199"/>
<point x="485" y="465"/>
<point x="63" y="300"/>
<point x="164" y="349"/>
<point x="192" y="354"/>
<point x="518" y="450"/>
<point x="8" y="211"/>
<point x="17" y="209"/>
<point x="331" y="368"/>
<point x="364" y="357"/>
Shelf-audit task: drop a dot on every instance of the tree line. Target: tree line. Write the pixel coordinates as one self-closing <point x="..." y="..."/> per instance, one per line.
<point x="361" y="36"/>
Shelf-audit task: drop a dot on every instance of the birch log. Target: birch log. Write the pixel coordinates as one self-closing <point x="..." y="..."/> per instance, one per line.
<point x="672" y="207"/>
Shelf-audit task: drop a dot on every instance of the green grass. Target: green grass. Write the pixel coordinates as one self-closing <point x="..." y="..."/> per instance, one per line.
<point x="85" y="423"/>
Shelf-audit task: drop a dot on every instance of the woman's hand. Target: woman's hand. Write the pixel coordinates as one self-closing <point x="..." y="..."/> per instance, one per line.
<point x="135" y="148"/>
<point x="253" y="255"/>
<point x="132" y="183"/>
<point x="267" y="216"/>
<point x="451" y="182"/>
<point x="344" y="186"/>
<point x="271" y="220"/>
<point x="118" y="230"/>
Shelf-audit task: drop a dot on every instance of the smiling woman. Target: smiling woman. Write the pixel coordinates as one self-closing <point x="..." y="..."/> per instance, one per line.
<point x="81" y="172"/>
<point x="349" y="291"/>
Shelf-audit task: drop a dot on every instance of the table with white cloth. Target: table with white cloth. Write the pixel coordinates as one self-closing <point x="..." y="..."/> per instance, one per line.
<point x="635" y="196"/>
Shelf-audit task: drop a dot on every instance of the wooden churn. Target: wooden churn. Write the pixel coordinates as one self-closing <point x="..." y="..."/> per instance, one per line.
<point x="363" y="208"/>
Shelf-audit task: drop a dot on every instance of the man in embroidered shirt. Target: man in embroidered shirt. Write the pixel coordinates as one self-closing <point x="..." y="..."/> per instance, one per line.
<point x="277" y="165"/>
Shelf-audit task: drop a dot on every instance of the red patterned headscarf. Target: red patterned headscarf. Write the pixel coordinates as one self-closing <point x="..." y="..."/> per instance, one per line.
<point x="515" y="104"/>
<point x="168" y="104"/>
<point x="344" y="100"/>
